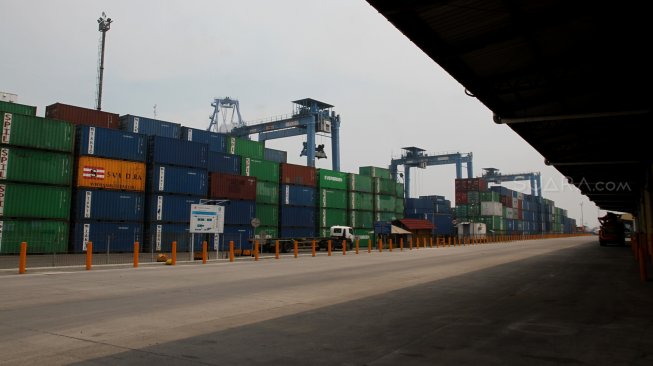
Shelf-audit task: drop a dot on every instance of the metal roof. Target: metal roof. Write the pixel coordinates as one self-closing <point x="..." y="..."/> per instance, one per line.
<point x="570" y="77"/>
<point x="306" y="102"/>
<point x="416" y="224"/>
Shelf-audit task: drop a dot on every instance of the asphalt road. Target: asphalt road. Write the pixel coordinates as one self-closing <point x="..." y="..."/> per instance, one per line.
<point x="545" y="302"/>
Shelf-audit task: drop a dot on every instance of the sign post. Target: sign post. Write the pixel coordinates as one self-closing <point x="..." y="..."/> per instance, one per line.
<point x="206" y="219"/>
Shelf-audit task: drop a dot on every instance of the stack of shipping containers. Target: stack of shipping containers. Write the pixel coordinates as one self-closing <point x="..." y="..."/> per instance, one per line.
<point x="385" y="192"/>
<point x="400" y="203"/>
<point x="360" y="214"/>
<point x="436" y="209"/>
<point x="468" y="198"/>
<point x="298" y="198"/>
<point x="331" y="200"/>
<point x="35" y="180"/>
<point x="492" y="212"/>
<point x="265" y="207"/>
<point x="109" y="190"/>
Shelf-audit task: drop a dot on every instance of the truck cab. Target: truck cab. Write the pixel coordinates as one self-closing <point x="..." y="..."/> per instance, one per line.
<point x="337" y="234"/>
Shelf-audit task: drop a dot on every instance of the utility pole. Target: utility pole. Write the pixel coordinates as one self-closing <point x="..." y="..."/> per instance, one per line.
<point x="104" y="24"/>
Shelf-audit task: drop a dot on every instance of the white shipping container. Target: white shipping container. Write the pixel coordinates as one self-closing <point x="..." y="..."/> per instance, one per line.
<point x="509" y="213"/>
<point x="515" y="202"/>
<point x="491" y="209"/>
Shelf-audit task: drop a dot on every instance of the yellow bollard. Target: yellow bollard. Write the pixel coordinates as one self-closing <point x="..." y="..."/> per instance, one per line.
<point x="173" y="255"/>
<point x="89" y="255"/>
<point x="276" y="249"/>
<point x="136" y="254"/>
<point x="22" y="263"/>
<point x="231" y="250"/>
<point x="255" y="250"/>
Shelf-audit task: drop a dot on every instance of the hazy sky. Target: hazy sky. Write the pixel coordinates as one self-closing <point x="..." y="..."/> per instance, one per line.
<point x="179" y="55"/>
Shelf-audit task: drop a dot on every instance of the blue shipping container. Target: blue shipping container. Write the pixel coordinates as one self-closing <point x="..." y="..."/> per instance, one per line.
<point x="297" y="232"/>
<point x="109" y="143"/>
<point x="159" y="238"/>
<point x="170" y="208"/>
<point x="292" y="195"/>
<point x="224" y="163"/>
<point x="149" y="126"/>
<point x="169" y="151"/>
<point x="239" y="234"/>
<point x="104" y="205"/>
<point x="239" y="212"/>
<point x="217" y="141"/>
<point x="382" y="227"/>
<point x="296" y="216"/>
<point x="278" y="156"/>
<point x="443" y="224"/>
<point x="171" y="179"/>
<point x="116" y="236"/>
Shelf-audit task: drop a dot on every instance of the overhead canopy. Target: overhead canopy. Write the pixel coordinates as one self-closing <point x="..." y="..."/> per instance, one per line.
<point x="570" y="77"/>
<point x="416" y="224"/>
<point x="398" y="230"/>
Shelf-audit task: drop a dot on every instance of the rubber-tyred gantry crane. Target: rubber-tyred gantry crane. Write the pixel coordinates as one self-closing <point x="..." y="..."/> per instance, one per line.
<point x="492" y="175"/>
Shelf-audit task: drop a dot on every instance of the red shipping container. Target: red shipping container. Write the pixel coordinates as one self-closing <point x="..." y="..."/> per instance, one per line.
<point x="461" y="198"/>
<point x="461" y="185"/>
<point x="82" y="116"/>
<point x="520" y="204"/>
<point x="298" y="175"/>
<point x="234" y="187"/>
<point x="520" y="214"/>
<point x="506" y="201"/>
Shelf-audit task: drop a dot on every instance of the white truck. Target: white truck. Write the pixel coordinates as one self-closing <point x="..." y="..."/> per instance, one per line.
<point x="336" y="234"/>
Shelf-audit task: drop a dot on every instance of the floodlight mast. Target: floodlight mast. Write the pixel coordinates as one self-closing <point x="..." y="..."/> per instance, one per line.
<point x="104" y="24"/>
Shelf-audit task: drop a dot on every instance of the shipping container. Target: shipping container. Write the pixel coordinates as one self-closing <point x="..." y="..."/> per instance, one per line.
<point x="360" y="219"/>
<point x="399" y="205"/>
<point x="399" y="189"/>
<point x="278" y="156"/>
<point x="104" y="205"/>
<point x="298" y="175"/>
<point x="385" y="216"/>
<point x="233" y="187"/>
<point x="245" y="148"/>
<point x="268" y="214"/>
<point x="82" y="116"/>
<point x="435" y="198"/>
<point x="108" y="143"/>
<point x="384" y="186"/>
<point x="158" y="237"/>
<point x="332" y="198"/>
<point x="372" y="171"/>
<point x="493" y="224"/>
<point x="113" y="237"/>
<point x="41" y="236"/>
<point x="297" y="232"/>
<point x="37" y="132"/>
<point x="292" y="195"/>
<point x="361" y="201"/>
<point x="491" y="209"/>
<point x="473" y="197"/>
<point x="150" y="126"/>
<point x="359" y="183"/>
<point x="103" y="173"/>
<point x="331" y="179"/>
<point x="239" y="212"/>
<point x="297" y="216"/>
<point x="267" y="192"/>
<point x="266" y="232"/>
<point x="399" y="215"/>
<point x="35" y="166"/>
<point x="263" y="170"/>
<point x="489" y="196"/>
<point x="328" y="217"/>
<point x="164" y="150"/>
<point x="170" y="207"/>
<point x="365" y="236"/>
<point x="240" y="235"/>
<point x="34" y="201"/>
<point x="179" y="180"/>
<point x="384" y="203"/>
<point x="461" y="197"/>
<point x="217" y="142"/>
<point x="224" y="163"/>
<point x="16" y="108"/>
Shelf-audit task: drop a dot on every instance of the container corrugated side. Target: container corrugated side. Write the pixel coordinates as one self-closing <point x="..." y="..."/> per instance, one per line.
<point x="328" y="217"/>
<point x="331" y="179"/>
<point x="399" y="205"/>
<point x="263" y="170"/>
<point x="268" y="214"/>
<point x="108" y="143"/>
<point x="224" y="163"/>
<point x="169" y="151"/>
<point x="332" y="198"/>
<point x="150" y="126"/>
<point x="177" y="180"/>
<point x="170" y="207"/>
<point x="103" y="173"/>
<point x="292" y="195"/>
<point x="239" y="212"/>
<point x="106" y="205"/>
<point x="159" y="237"/>
<point x="360" y="219"/>
<point x="113" y="237"/>
<point x="384" y="203"/>
<point x="359" y="183"/>
<point x="385" y="216"/>
<point x="9" y="107"/>
<point x="34" y="201"/>
<point x="399" y="189"/>
<point x="37" y="132"/>
<point x="267" y="192"/>
<point x="35" y="166"/>
<point x="217" y="141"/>
<point x="365" y="236"/>
<point x="298" y="175"/>
<point x="266" y="232"/>
<point x="245" y="148"/>
<point x="384" y="186"/>
<point x="373" y="171"/>
<point x="277" y="156"/>
<point x="297" y="232"/>
<point x="296" y="216"/>
<point x="235" y="187"/>
<point x="82" y="116"/>
<point x="361" y="201"/>
<point x="240" y="235"/>
<point x="41" y="236"/>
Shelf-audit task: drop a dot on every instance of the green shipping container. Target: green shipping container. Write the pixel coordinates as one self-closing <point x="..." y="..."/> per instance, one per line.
<point x="384" y="186"/>
<point x="399" y="205"/>
<point x="384" y="216"/>
<point x="399" y="190"/>
<point x="266" y="232"/>
<point x="35" y="166"/>
<point x="245" y="148"/>
<point x="17" y="108"/>
<point x="34" y="201"/>
<point x="359" y="183"/>
<point x="372" y="171"/>
<point x="360" y="219"/>
<point x="267" y="192"/>
<point x="332" y="198"/>
<point x="462" y="211"/>
<point x="399" y="215"/>
<point x="264" y="170"/>
<point x="331" y="179"/>
<point x="489" y="196"/>
<point x="473" y="197"/>
<point x="361" y="201"/>
<point x="41" y="236"/>
<point x="365" y="236"/>
<point x="268" y="214"/>
<point x="37" y="132"/>
<point x="494" y="223"/>
<point x="384" y="203"/>
<point x="328" y="217"/>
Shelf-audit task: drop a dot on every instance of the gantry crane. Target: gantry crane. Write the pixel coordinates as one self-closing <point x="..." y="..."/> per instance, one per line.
<point x="492" y="175"/>
<point x="414" y="157"/>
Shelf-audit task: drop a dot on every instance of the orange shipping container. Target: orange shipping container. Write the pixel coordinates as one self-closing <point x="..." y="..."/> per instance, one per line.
<point x="101" y="173"/>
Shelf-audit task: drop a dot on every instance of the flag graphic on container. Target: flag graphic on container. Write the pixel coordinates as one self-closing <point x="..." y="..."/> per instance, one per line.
<point x="91" y="172"/>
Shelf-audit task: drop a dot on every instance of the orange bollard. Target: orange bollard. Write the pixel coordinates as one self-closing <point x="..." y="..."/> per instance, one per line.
<point x="231" y="249"/>
<point x="417" y="242"/>
<point x="174" y="253"/>
<point x="448" y="241"/>
<point x="276" y="249"/>
<point x="401" y="244"/>
<point x="390" y="244"/>
<point x="205" y="251"/>
<point x="136" y="254"/>
<point x="313" y="248"/>
<point x="431" y="242"/>
<point x="329" y="248"/>
<point x="357" y="242"/>
<point x="295" y="248"/>
<point x="369" y="246"/>
<point x="410" y="243"/>
<point x="89" y="255"/>
<point x="22" y="263"/>
<point x="344" y="247"/>
<point x="380" y="246"/>
<point x="255" y="250"/>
